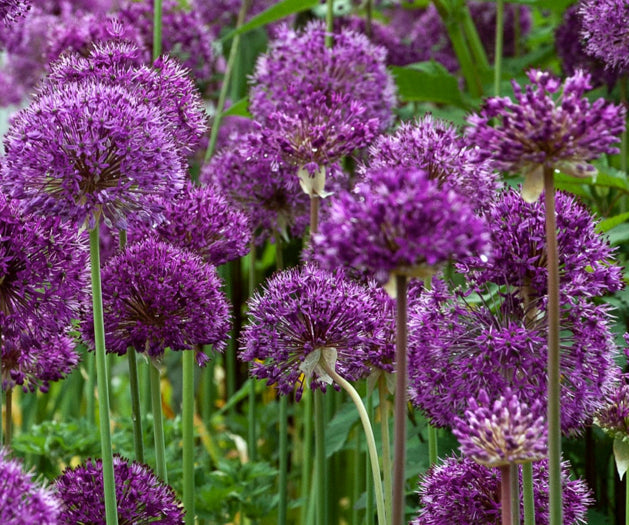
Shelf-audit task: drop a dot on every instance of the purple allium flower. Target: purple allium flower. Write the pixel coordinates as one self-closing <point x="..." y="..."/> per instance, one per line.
<point x="456" y="350"/>
<point x="22" y="501"/>
<point x="140" y="495"/>
<point x="303" y="316"/>
<point x="549" y="124"/>
<point x="86" y="149"/>
<point x="11" y="10"/>
<point x="614" y="416"/>
<point x="571" y="50"/>
<point x="430" y="41"/>
<point x="605" y="29"/>
<point x="32" y="358"/>
<point x="200" y="219"/>
<point x="398" y="220"/>
<point x="434" y="146"/>
<point x="262" y="186"/>
<point x="586" y="266"/>
<point x="459" y="490"/>
<point x="298" y="65"/>
<point x="503" y="432"/>
<point x="158" y="296"/>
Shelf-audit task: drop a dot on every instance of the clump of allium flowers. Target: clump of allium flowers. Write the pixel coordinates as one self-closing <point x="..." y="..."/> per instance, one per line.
<point x="586" y="266"/>
<point x="503" y="432"/>
<point x="456" y="350"/>
<point x="605" y="29"/>
<point x="202" y="220"/>
<point x="305" y="317"/>
<point x="549" y="124"/>
<point x="434" y="146"/>
<point x="459" y="490"/>
<point x="398" y="221"/>
<point x="140" y="495"/>
<point x="158" y="296"/>
<point x="22" y="501"/>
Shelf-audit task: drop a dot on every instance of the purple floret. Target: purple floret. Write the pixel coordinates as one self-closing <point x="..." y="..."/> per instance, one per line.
<point x="605" y="29"/>
<point x="11" y="10"/>
<point x="140" y="495"/>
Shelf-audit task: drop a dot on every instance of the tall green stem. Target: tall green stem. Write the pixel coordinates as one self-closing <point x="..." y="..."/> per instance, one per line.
<point x="399" y="455"/>
<point x="229" y="67"/>
<point x="476" y="45"/>
<point x="623" y="138"/>
<point x="188" y="433"/>
<point x="371" y="441"/>
<point x="8" y="414"/>
<point x="157" y="29"/>
<point x="251" y="416"/>
<point x="283" y="482"/>
<point x="329" y="24"/>
<point x="527" y="493"/>
<point x="505" y="493"/>
<point x="383" y="408"/>
<point x="320" y="490"/>
<point x="111" y="508"/>
<point x="307" y="451"/>
<point x="369" y="506"/>
<point x="433" y="450"/>
<point x="500" y="18"/>
<point x="554" y="416"/>
<point x="90" y="386"/>
<point x="156" y="403"/>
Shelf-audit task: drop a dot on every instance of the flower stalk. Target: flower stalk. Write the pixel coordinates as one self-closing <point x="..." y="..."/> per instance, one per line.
<point x="188" y="433"/>
<point x="527" y="493"/>
<point x="506" y="472"/>
<point x="156" y="404"/>
<point x="383" y="408"/>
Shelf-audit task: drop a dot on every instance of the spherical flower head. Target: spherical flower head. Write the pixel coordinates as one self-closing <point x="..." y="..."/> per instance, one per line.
<point x="434" y="146"/>
<point x="140" y="495"/>
<point x="305" y="317"/>
<point x="157" y="296"/>
<point x="87" y="149"/>
<point x="459" y="490"/>
<point x="398" y="221"/>
<point x="605" y="29"/>
<point x="503" y="432"/>
<point x="586" y="265"/>
<point x="22" y="501"/>
<point x="200" y="219"/>
<point x="570" y="48"/>
<point x="352" y="66"/>
<point x="549" y="124"/>
<point x="261" y="185"/>
<point x="11" y="10"/>
<point x="456" y="350"/>
<point x="613" y="417"/>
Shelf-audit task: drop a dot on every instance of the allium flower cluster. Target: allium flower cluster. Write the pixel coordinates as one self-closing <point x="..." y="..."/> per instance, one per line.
<point x="614" y="416"/>
<point x="140" y="495"/>
<point x="157" y="296"/>
<point x="22" y="501"/>
<point x="549" y="124"/>
<point x="305" y="316"/>
<point x="434" y="146"/>
<point x="398" y="220"/>
<point x="456" y="350"/>
<point x="586" y="266"/>
<point x="459" y="490"/>
<point x="200" y="219"/>
<point x="605" y="28"/>
<point x="503" y="432"/>
<point x="11" y="10"/>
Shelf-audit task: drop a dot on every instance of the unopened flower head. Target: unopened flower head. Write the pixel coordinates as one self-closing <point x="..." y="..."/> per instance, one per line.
<point x="141" y="496"/>
<point x="503" y="432"/>
<point x="157" y="296"/>
<point x="605" y="28"/>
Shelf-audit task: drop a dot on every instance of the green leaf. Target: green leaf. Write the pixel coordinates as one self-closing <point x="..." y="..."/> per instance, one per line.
<point x="273" y="14"/>
<point x="619" y="234"/>
<point x="427" y="82"/>
<point x="239" y="109"/>
<point x="337" y="431"/>
<point x="621" y="455"/>
<point x="612" y="222"/>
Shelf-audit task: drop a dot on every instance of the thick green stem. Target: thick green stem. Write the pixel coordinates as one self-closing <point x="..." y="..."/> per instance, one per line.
<point x="383" y="408"/>
<point x="399" y="454"/>
<point x="307" y="451"/>
<point x="369" y="18"/>
<point x="371" y="441"/>
<point x="90" y="386"/>
<point x="623" y="137"/>
<point x="369" y="506"/>
<point x="157" y="29"/>
<point x="283" y="482"/>
<point x="187" y="422"/>
<point x="527" y="494"/>
<point x="320" y="463"/>
<point x="111" y="508"/>
<point x="433" y="449"/>
<point x="8" y="414"/>
<point x="251" y="416"/>
<point x="476" y="45"/>
<point x="222" y="97"/>
<point x="505" y="493"/>
<point x="329" y="24"/>
<point x="136" y="413"/>
<point x="357" y="477"/>
<point x="515" y="495"/>
<point x="500" y="16"/>
<point x="554" y="416"/>
<point x="156" y="403"/>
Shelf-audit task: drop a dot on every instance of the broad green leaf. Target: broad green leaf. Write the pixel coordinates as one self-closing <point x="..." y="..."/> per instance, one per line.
<point x="612" y="222"/>
<point x="621" y="455"/>
<point x="239" y="109"/>
<point x="619" y="234"/>
<point x="273" y="14"/>
<point x="427" y="82"/>
<point x="338" y="430"/>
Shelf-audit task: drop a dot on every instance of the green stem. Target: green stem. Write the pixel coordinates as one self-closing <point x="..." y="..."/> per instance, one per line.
<point x="515" y="495"/>
<point x="357" y="477"/>
<point x="433" y="451"/>
<point x="527" y="493"/>
<point x="315" y="202"/>
<point x="383" y="408"/>
<point x="283" y="481"/>
<point x="320" y="489"/>
<point x="251" y="416"/>
<point x="8" y="414"/>
<point x="476" y="45"/>
<point x="369" y="506"/>
<point x="156" y="403"/>
<point x="157" y="29"/>
<point x="371" y="441"/>
<point x="500" y="16"/>
<point x="136" y="413"/>
<point x="369" y="18"/>
<point x="329" y="24"/>
<point x="222" y="97"/>
<point x="623" y="138"/>
<point x="307" y="452"/>
<point x="505" y="493"/>
<point x="111" y="508"/>
<point x="554" y="416"/>
<point x="187" y="422"/>
<point x="399" y="455"/>
<point x="90" y="386"/>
